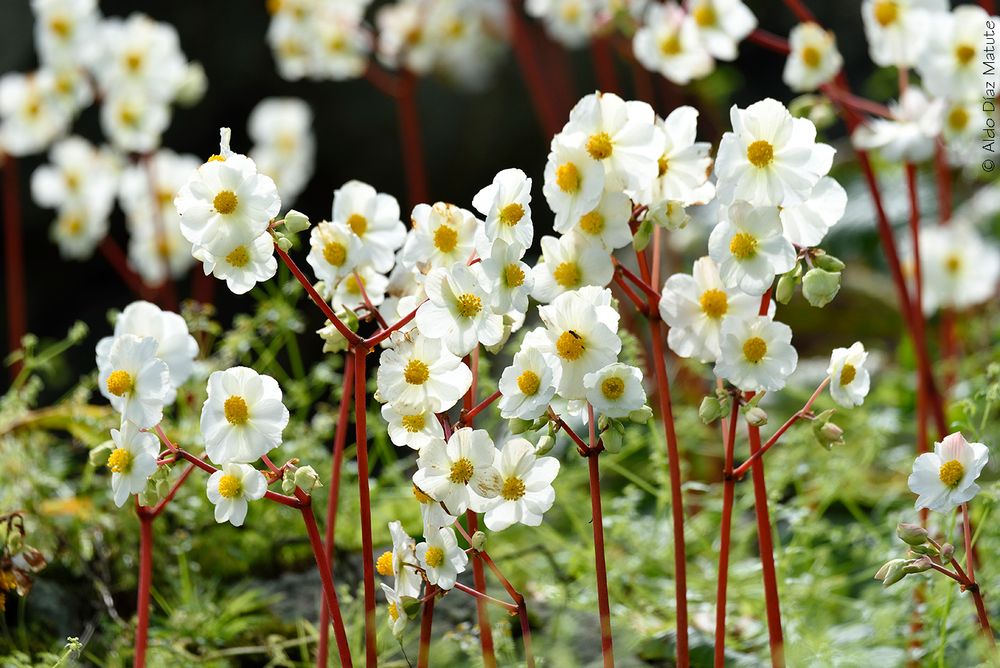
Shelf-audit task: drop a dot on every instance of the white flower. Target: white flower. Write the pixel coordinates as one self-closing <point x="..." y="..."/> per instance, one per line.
<point x="243" y="417"/>
<point x="571" y="22"/>
<point x="526" y="493"/>
<point x="134" y="380"/>
<point x="622" y="136"/>
<point x="374" y="218"/>
<point x="284" y="146"/>
<point x="411" y="425"/>
<point x="909" y="135"/>
<point x="607" y="225"/>
<point x="433" y="514"/>
<point x="133" y="121"/>
<point x="960" y="267"/>
<point x="750" y="249"/>
<point x="459" y="473"/>
<point x="441" y="557"/>
<point x="442" y="235"/>
<point x="141" y="55"/>
<point x="685" y="165"/>
<point x="898" y="30"/>
<point x="814" y="59"/>
<point x="30" y="116"/>
<point x="394" y="609"/>
<point x="581" y="335"/>
<point x="346" y="293"/>
<point x="508" y="280"/>
<point x="570" y="262"/>
<point x="573" y="182"/>
<point x="419" y="371"/>
<point x="400" y="562"/>
<point x="506" y="203"/>
<point x="769" y="157"/>
<point x="132" y="461"/>
<point x="65" y="30"/>
<point x="457" y="310"/>
<point x="79" y="174"/>
<point x="78" y="229"/>
<point x="756" y="353"/>
<point x="849" y="379"/>
<point x="239" y="256"/>
<point x="615" y="390"/>
<point x="174" y="344"/>
<point x="722" y="25"/>
<point x="334" y="251"/>
<point x="669" y="44"/>
<point x="528" y="384"/>
<point x="231" y="487"/>
<point x="806" y="223"/>
<point x="694" y="307"/>
<point x="946" y="478"/>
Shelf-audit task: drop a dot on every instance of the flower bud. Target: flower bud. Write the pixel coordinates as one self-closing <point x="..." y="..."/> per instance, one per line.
<point x="642" y="235"/>
<point x="78" y="332"/>
<point x="641" y="415"/>
<point x="819" y="286"/>
<point x="288" y="485"/>
<point x="786" y="288"/>
<point x="891" y="572"/>
<point x="296" y="222"/>
<point x="519" y="426"/>
<point x="544" y="445"/>
<point x="668" y="214"/>
<point x="411" y="606"/>
<point x="193" y="85"/>
<point x="284" y="243"/>
<point x="307" y="479"/>
<point x="755" y="416"/>
<point x="710" y="410"/>
<point x="478" y="541"/>
<point x="947" y="552"/>
<point x="918" y="565"/>
<point x="612" y="440"/>
<point x="911" y="534"/>
<point x="828" y="262"/>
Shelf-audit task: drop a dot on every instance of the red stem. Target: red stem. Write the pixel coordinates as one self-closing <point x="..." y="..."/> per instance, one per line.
<point x="145" y="582"/>
<point x="364" y="494"/>
<point x="648" y="289"/>
<point x="542" y="98"/>
<point x="173" y="491"/>
<point x="469" y="414"/>
<point x="630" y="293"/>
<point x="329" y="593"/>
<point x="13" y="243"/>
<point x="600" y="567"/>
<point x="377" y="338"/>
<point x="728" y="495"/>
<point x="409" y="130"/>
<point x="352" y="338"/>
<point x="368" y="302"/>
<point x="113" y="253"/>
<point x="770" y="41"/>
<point x="426" y="622"/>
<point x="485" y="598"/>
<point x="801" y="12"/>
<point x="967" y="533"/>
<point x="604" y="65"/>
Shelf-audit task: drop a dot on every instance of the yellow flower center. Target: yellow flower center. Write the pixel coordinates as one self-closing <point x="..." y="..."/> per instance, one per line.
<point x="215" y="157"/>
<point x="225" y="202"/>
<point x="951" y="472"/>
<point x="384" y="564"/>
<point x="420" y="496"/>
<point x="236" y="410"/>
<point x="567" y="274"/>
<point x="958" y="118"/>
<point x="704" y="15"/>
<point x="599" y="146"/>
<point x="414" y="423"/>
<point x="612" y="388"/>
<point x="357" y="223"/>
<point x="61" y="26"/>
<point x="133" y="61"/>
<point x="416" y="372"/>
<point x="461" y="472"/>
<point x="128" y="115"/>
<point x="847" y="374"/>
<point x="230" y="486"/>
<point x="964" y="53"/>
<point x="335" y="253"/>
<point x="670" y="46"/>
<point x="238" y="257"/>
<point x="353" y="284"/>
<point x="743" y="246"/>
<point x="434" y="556"/>
<point x="568" y="177"/>
<point x="754" y="349"/>
<point x="513" y="275"/>
<point x="886" y="12"/>
<point x="511" y="214"/>
<point x="663" y="164"/>
<point x="120" y="461"/>
<point x="445" y="238"/>
<point x="468" y="305"/>
<point x="393" y="612"/>
<point x="592" y="223"/>
<point x="570" y="345"/>
<point x="714" y="303"/>
<point x="120" y="382"/>
<point x="811" y="56"/>
<point x="528" y="382"/>
<point x="760" y="153"/>
<point x="513" y="489"/>
<point x="952" y="264"/>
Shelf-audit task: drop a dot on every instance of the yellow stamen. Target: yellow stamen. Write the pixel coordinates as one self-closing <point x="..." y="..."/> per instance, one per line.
<point x="230" y="487"/>
<point x="416" y="372"/>
<point x="704" y="15"/>
<point x="567" y="274"/>
<point x="592" y="223"/>
<point x="414" y="423"/>
<point x="238" y="257"/>
<point x="568" y="177"/>
<point x="760" y="153"/>
<point x="743" y="246"/>
<point x="670" y="46"/>
<point x="513" y="489"/>
<point x="570" y="345"/>
<point x="965" y="53"/>
<point x="754" y="349"/>
<point x="612" y="388"/>
<point x="225" y="202"/>
<point x="886" y="12"/>
<point x="384" y="564"/>
<point x="420" y="496"/>
<point x="434" y="557"/>
<point x="335" y="253"/>
<point x="952" y="264"/>
<point x="236" y="410"/>
<point x="513" y="275"/>
<point x="393" y="612"/>
<point x="445" y="238"/>
<point x="215" y="157"/>
<point x="511" y="214"/>
<point x="468" y="305"/>
<point x="951" y="472"/>
<point x="811" y="56"/>
<point x="353" y="284"/>
<point x="358" y="224"/>
<point x="528" y="382"/>
<point x="599" y="146"/>
<point x="847" y="374"/>
<point x="120" y="461"/>
<point x="958" y="118"/>
<point x="663" y="165"/>
<point x="714" y="303"/>
<point x="461" y="472"/>
<point x="120" y="382"/>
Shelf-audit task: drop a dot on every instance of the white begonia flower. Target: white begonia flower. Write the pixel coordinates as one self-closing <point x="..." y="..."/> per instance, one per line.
<point x="506" y="203"/>
<point x="78" y="230"/>
<point x="79" y="174"/>
<point x="374" y="218"/>
<point x="394" y="610"/>
<point x="581" y="335"/>
<point x="898" y="30"/>
<point x="946" y="478"/>
<point x="960" y="268"/>
<point x="569" y="22"/>
<point x="342" y="44"/>
<point x="527" y="491"/>
<point x="749" y="248"/>
<point x="226" y="192"/>
<point x="722" y="25"/>
<point x="508" y="279"/>
<point x="685" y="165"/>
<point x="334" y="251"/>
<point x="459" y="473"/>
<point x="615" y="390"/>
<point x="457" y="310"/>
<point x="669" y="44"/>
<point x="573" y="182"/>
<point x="134" y="380"/>
<point x="694" y="306"/>
<point x="421" y="372"/>
<point x="133" y="121"/>
<point x="174" y="344"/>
<point x="243" y="417"/>
<point x="441" y="557"/>
<point x="607" y="225"/>
<point x="132" y="461"/>
<point x="849" y="380"/>
<point x="347" y="294"/>
<point x="65" y="30"/>
<point x="806" y="223"/>
<point x="963" y="123"/>
<point x="402" y="40"/>
<point x="770" y="158"/>
<point x="528" y="384"/>
<point x="622" y="136"/>
<point x="433" y="514"/>
<point x="400" y="562"/>
<point x="231" y="487"/>
<point x="411" y="425"/>
<point x="814" y="59"/>
<point x="910" y="134"/>
<point x="30" y="116"/>
<point x="284" y="146"/>
<point x="756" y="353"/>
<point x="140" y="54"/>
<point x="441" y="235"/>
<point x="239" y="256"/>
<point x="567" y="263"/>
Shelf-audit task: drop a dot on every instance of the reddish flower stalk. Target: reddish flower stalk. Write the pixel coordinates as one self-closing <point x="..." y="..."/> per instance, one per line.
<point x="770" y="41"/>
<point x="145" y="582"/>
<point x="600" y="567"/>
<point x="527" y="58"/>
<point x="486" y="598"/>
<point x="426" y="621"/>
<point x="167" y="290"/>
<point x="468" y="415"/>
<point x="13" y="244"/>
<point x="801" y="12"/>
<point x="352" y="338"/>
<point x="364" y="494"/>
<point x="339" y="438"/>
<point x="326" y="577"/>
<point x="640" y="305"/>
<point x="113" y="253"/>
<point x="409" y="131"/>
<point x="604" y="64"/>
<point x="725" y="530"/>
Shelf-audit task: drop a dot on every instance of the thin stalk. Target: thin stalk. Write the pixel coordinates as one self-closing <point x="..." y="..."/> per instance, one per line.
<point x="113" y="253"/>
<point x="542" y="99"/>
<point x="377" y="338"/>
<point x="364" y="494"/>
<point x="409" y="131"/>
<point x="604" y="64"/>
<point x="145" y="583"/>
<point x="770" y="41"/>
<point x="486" y="598"/>
<point x="967" y="534"/>
<point x="326" y="577"/>
<point x="352" y="338"/>
<point x="470" y="414"/>
<point x="728" y="495"/>
<point x="173" y="491"/>
<point x="13" y="244"/>
<point x="426" y="622"/>
<point x="600" y="566"/>
<point x="637" y="302"/>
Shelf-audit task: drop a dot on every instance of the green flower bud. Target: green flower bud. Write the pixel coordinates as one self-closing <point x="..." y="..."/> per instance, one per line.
<point x="307" y="479"/>
<point x="612" y="440"/>
<point x="284" y="243"/>
<point x="828" y="434"/>
<point x="544" y="445"/>
<point x="891" y="572"/>
<point x="479" y="541"/>
<point x="519" y="426"/>
<point x="288" y="485"/>
<point x="819" y="286"/>
<point x="911" y="534"/>
<point x="918" y="565"/>
<point x="78" y="332"/>
<point x="641" y="415"/>
<point x="828" y="262"/>
<point x="947" y="552"/>
<point x="668" y="214"/>
<point x="786" y="288"/>
<point x="643" y="234"/>
<point x="411" y="606"/>
<point x="296" y="222"/>
<point x="710" y="410"/>
<point x="755" y="416"/>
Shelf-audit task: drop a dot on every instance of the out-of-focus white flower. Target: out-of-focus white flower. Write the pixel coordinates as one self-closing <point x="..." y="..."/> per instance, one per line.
<point x="134" y="379"/>
<point x="806" y="223"/>
<point x="78" y="229"/>
<point x="506" y="203"/>
<point x="77" y="173"/>
<point x="909" y="135"/>
<point x="66" y="30"/>
<point x="722" y="25"/>
<point x="141" y="56"/>
<point x="421" y="372"/>
<point x="814" y="59"/>
<point x="669" y="44"/>
<point x="231" y="487"/>
<point x="133" y="121"/>
<point x="756" y="353"/>
<point x="132" y="461"/>
<point x="441" y="557"/>
<point x="684" y="167"/>
<point x="30" y="115"/>
<point x="570" y="262"/>
<point x="459" y="473"/>
<point x="526" y="492"/>
<point x="284" y="146"/>
<point x="898" y="30"/>
<point x="849" y="380"/>
<point x="374" y="218"/>
<point x="570" y="22"/>
<point x="528" y="384"/>
<point x="946" y="478"/>
<point x="960" y="268"/>
<point x="749" y="248"/>
<point x="508" y="280"/>
<point x="457" y="310"/>
<point x="607" y="225"/>
<point x="573" y="182"/>
<point x="442" y="235"/>
<point x="243" y="416"/>
<point x="615" y="390"/>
